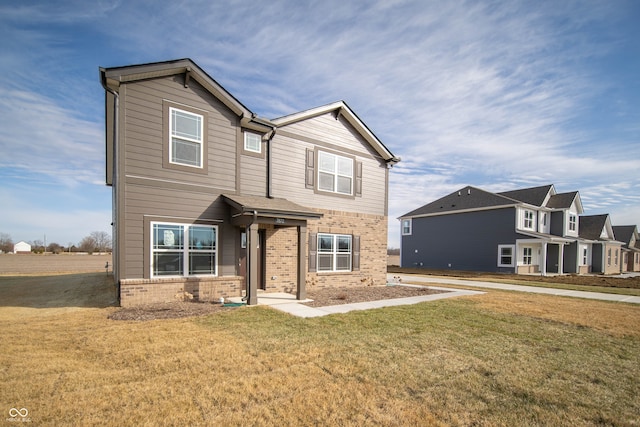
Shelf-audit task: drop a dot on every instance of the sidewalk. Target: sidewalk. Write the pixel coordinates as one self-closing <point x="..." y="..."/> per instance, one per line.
<point x="508" y="287"/>
<point x="288" y="303"/>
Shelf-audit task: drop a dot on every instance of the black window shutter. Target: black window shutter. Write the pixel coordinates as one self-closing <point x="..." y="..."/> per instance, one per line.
<point x="355" y="262"/>
<point x="313" y="252"/>
<point x="358" y="178"/>
<point x="310" y="168"/>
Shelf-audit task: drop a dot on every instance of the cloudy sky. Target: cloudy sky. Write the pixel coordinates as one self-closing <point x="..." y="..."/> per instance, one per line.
<point x="494" y="94"/>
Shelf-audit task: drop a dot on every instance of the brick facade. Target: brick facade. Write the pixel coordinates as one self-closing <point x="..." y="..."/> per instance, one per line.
<point x="281" y="264"/>
<point x="145" y="291"/>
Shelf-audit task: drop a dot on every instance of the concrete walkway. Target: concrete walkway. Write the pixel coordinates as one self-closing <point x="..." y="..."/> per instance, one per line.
<point x="289" y="304"/>
<point x="414" y="278"/>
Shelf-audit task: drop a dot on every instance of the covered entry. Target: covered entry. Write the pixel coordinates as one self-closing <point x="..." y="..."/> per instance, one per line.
<point x="253" y="213"/>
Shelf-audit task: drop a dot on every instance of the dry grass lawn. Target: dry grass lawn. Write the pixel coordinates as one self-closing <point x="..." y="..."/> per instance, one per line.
<point x="500" y="359"/>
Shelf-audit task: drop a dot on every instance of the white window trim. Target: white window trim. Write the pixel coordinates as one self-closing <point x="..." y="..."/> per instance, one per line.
<point x="184" y="138"/>
<point x="336" y="174"/>
<point x="185" y="249"/>
<point x="525" y="256"/>
<point x="572" y="222"/>
<point x="531" y="220"/>
<point x="410" y="227"/>
<point x="513" y="255"/>
<point x="335" y="253"/>
<point x="247" y="135"/>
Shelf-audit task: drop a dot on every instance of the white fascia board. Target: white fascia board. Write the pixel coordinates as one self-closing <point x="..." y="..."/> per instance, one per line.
<point x="488" y="208"/>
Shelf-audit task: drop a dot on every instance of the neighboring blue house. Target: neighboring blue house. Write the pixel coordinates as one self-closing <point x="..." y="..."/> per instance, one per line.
<point x="527" y="231"/>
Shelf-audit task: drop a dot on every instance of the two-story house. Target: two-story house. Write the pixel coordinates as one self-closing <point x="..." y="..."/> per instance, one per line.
<point x="606" y="251"/>
<point x="628" y="235"/>
<point x="531" y="230"/>
<point x="210" y="199"/>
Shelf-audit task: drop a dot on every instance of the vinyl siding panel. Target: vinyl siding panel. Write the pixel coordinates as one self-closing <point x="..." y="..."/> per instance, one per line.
<point x="325" y="132"/>
<point x="173" y="206"/>
<point x="148" y="189"/>
<point x="145" y="139"/>
<point x="467" y="241"/>
<point x="253" y="176"/>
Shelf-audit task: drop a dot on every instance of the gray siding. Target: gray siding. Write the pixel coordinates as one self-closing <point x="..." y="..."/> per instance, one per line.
<point x="147" y="190"/>
<point x="253" y="176"/>
<point x="597" y="257"/>
<point x="145" y="139"/>
<point x="557" y="223"/>
<point x="570" y="258"/>
<point x="464" y="241"/>
<point x="325" y="132"/>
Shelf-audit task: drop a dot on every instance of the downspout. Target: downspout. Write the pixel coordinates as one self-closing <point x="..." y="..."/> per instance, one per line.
<point x="115" y="179"/>
<point x="269" y="165"/>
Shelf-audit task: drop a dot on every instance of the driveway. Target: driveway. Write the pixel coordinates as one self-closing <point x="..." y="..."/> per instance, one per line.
<point x="414" y="278"/>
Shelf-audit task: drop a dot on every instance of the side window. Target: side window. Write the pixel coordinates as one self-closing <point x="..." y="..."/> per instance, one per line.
<point x="406" y="227"/>
<point x="185" y="131"/>
<point x="334" y="252"/>
<point x="572" y="222"/>
<point x="252" y="142"/>
<point x="505" y="255"/>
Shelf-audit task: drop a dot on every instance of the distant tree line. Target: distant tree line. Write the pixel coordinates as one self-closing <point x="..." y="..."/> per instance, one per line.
<point x="96" y="241"/>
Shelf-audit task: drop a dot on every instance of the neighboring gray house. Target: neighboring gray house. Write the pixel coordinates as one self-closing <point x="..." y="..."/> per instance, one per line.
<point x="628" y="234"/>
<point x="210" y="199"/>
<point x="531" y="230"/>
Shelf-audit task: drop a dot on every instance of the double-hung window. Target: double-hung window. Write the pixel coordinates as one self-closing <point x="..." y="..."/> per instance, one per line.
<point x="572" y="222"/>
<point x="406" y="227"/>
<point x="527" y="256"/>
<point x="528" y="219"/>
<point x="334" y="252"/>
<point x="335" y="173"/>
<point x="505" y="255"/>
<point x="186" y="138"/>
<point x="183" y="250"/>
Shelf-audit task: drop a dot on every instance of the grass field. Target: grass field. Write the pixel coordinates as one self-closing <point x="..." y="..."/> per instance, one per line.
<point x="500" y="359"/>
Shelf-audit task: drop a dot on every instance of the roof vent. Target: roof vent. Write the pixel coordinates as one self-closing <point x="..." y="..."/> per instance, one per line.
<point x="468" y="191"/>
<point x="459" y="193"/>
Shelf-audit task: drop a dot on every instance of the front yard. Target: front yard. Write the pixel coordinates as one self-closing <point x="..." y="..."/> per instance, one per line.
<point x="502" y="358"/>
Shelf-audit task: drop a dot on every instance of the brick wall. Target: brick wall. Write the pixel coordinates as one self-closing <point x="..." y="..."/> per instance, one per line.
<point x="145" y="291"/>
<point x="281" y="259"/>
<point x="372" y="230"/>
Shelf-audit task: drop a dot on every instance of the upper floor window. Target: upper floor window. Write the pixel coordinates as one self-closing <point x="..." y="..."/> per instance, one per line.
<point x="252" y="142"/>
<point x="406" y="227"/>
<point x="335" y="173"/>
<point x="186" y="138"/>
<point x="528" y="219"/>
<point x="572" y="222"/>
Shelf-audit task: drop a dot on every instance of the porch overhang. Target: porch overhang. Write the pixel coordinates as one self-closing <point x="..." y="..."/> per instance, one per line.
<point x="247" y="210"/>
<point x="250" y="212"/>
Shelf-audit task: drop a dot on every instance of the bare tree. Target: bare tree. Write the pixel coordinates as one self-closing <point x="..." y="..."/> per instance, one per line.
<point x="37" y="247"/>
<point x="55" y="248"/>
<point x="99" y="241"/>
<point x="102" y="239"/>
<point x="6" y="244"/>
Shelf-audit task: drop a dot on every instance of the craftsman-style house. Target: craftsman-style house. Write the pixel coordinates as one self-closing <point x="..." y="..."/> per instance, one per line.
<point x="526" y="231"/>
<point x="212" y="200"/>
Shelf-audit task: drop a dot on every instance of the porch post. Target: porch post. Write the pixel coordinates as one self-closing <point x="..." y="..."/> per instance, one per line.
<point x="252" y="260"/>
<point x="561" y="259"/>
<point x="301" y="292"/>
<point x="543" y="261"/>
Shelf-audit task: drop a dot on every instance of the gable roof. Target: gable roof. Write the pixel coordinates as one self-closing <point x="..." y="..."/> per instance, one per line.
<point x="535" y="196"/>
<point x="341" y="109"/>
<point x="624" y="233"/>
<point x="467" y="198"/>
<point x="565" y="200"/>
<point x="591" y="226"/>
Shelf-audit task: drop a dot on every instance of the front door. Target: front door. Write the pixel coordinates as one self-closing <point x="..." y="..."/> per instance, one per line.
<point x="242" y="264"/>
